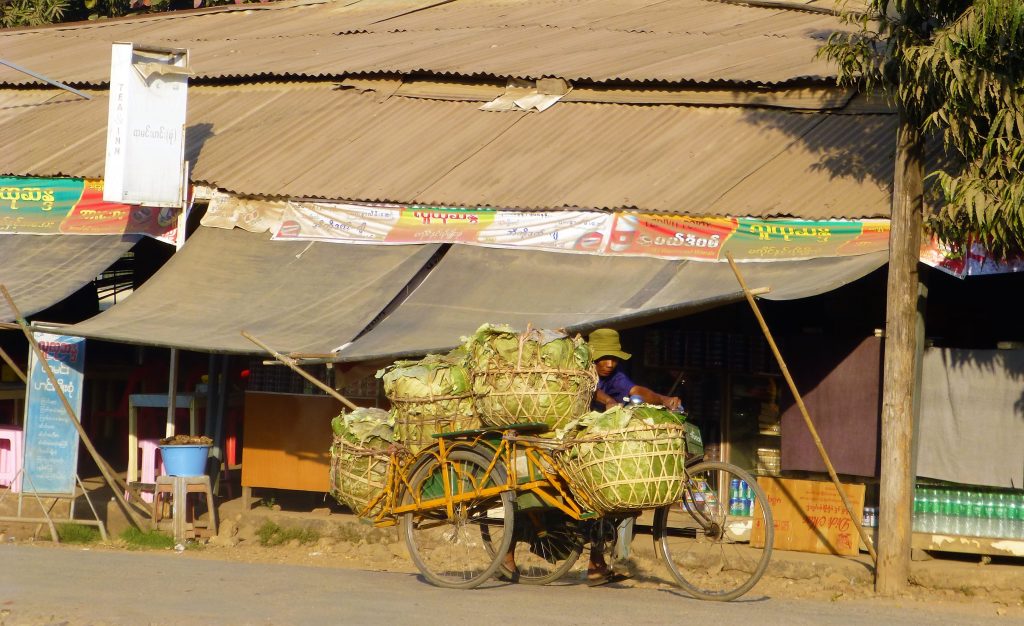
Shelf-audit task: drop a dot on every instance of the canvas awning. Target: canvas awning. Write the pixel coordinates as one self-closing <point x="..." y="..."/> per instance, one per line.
<point x="41" y="270"/>
<point x="300" y="297"/>
<point x="473" y="285"/>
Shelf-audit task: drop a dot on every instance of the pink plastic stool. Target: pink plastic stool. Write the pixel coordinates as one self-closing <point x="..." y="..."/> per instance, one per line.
<point x="11" y="457"/>
<point x="152" y="464"/>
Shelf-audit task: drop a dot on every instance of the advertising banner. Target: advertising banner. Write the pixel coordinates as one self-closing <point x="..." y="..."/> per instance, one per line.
<point x="593" y="232"/>
<point x="51" y="440"/>
<point x="55" y="206"/>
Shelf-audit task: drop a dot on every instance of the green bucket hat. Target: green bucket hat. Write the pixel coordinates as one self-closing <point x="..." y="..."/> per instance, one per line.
<point x="605" y="342"/>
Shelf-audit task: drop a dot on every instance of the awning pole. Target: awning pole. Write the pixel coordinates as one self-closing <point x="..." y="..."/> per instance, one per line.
<point x="290" y="362"/>
<point x="172" y="393"/>
<point x="803" y="410"/>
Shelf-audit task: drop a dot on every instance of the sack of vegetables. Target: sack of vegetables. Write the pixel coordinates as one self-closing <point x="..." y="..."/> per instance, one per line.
<point x="359" y="459"/>
<point x="432" y="395"/>
<point x="626" y="458"/>
<point x="534" y="376"/>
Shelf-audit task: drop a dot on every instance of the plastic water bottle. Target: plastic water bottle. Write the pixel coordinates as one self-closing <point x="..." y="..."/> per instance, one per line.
<point x="989" y="515"/>
<point x="972" y="509"/>
<point x="918" y="516"/>
<point x="944" y="519"/>
<point x="1020" y="517"/>
<point x="933" y="507"/>
<point x="1011" y="513"/>
<point x="999" y="525"/>
<point x="960" y="511"/>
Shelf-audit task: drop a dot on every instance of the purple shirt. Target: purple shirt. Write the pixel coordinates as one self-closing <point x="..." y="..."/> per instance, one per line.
<point x="617" y="386"/>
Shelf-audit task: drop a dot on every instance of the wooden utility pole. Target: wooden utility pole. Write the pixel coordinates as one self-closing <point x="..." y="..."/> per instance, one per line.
<point x="896" y="488"/>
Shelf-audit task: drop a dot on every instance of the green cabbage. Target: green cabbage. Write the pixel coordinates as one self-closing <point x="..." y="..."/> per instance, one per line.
<point x="626" y="458"/>
<point x="429" y="396"/>
<point x="534" y="376"/>
<point x="359" y="457"/>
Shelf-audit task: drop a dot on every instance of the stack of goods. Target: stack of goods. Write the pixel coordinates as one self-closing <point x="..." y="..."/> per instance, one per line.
<point x="626" y="458"/>
<point x="535" y="376"/>
<point x="359" y="459"/>
<point x="769" y="461"/>
<point x="768" y="421"/>
<point x="432" y="395"/>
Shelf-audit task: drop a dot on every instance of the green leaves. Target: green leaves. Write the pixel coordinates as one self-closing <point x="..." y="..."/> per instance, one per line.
<point x="957" y="67"/>
<point x="31" y="12"/>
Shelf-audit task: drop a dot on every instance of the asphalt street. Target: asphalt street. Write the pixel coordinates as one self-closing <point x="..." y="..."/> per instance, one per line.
<point x="47" y="585"/>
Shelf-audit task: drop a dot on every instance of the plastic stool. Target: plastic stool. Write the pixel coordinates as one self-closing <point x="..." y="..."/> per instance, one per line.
<point x="151" y="466"/>
<point x="182" y="518"/>
<point x="11" y="457"/>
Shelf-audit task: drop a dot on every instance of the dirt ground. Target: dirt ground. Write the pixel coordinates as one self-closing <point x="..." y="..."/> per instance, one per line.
<point x="338" y="539"/>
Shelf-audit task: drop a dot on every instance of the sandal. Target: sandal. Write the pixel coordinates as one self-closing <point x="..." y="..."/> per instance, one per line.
<point x="596" y="579"/>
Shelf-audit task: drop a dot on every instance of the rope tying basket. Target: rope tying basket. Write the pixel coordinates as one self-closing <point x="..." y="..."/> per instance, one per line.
<point x="517" y="395"/>
<point x="637" y="467"/>
<point x="416" y="419"/>
<point x="359" y="475"/>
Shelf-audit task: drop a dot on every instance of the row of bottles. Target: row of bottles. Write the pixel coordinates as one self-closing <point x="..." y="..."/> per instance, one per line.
<point x="741" y="498"/>
<point x="969" y="513"/>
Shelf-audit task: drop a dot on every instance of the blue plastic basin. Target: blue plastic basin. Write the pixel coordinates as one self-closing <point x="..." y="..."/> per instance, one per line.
<point x="188" y="460"/>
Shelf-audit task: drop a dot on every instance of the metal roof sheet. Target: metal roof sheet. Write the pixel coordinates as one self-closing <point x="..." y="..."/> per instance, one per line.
<point x="287" y="141"/>
<point x="692" y="41"/>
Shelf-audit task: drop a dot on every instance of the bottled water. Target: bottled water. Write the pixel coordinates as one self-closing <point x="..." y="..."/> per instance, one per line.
<point x="947" y="511"/>
<point x="918" y="517"/>
<point x="974" y="517"/>
<point x="1013" y="517"/>
<point x="934" y="511"/>
<point x="1019" y="534"/>
<point x="988" y="527"/>
<point x="1000" y="527"/>
<point x="959" y="513"/>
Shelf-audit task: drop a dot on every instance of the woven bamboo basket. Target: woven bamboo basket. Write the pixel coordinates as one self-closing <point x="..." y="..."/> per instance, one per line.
<point x="416" y="419"/>
<point x="633" y="468"/>
<point x="518" y="395"/>
<point x="358" y="476"/>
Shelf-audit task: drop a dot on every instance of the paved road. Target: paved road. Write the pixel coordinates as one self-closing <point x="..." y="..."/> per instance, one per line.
<point x="44" y="585"/>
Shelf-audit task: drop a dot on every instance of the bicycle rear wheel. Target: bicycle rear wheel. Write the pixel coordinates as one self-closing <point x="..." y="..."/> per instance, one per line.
<point x="698" y="537"/>
<point x="449" y="550"/>
<point x="547" y="543"/>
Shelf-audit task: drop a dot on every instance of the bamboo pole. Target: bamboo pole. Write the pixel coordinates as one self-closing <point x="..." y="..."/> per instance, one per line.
<point x="118" y="487"/>
<point x="803" y="410"/>
<point x="290" y="362"/>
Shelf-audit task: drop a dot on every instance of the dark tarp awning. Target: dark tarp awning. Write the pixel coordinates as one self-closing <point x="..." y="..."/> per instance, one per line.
<point x="42" y="270"/>
<point x="296" y="296"/>
<point x="472" y="285"/>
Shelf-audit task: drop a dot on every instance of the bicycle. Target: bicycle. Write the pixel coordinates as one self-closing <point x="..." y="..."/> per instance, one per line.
<point x="463" y="503"/>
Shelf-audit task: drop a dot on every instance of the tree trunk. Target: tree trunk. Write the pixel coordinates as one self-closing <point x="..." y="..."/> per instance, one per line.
<point x="896" y="489"/>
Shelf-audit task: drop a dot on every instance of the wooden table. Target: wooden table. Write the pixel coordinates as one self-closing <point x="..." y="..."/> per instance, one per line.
<point x="155" y="401"/>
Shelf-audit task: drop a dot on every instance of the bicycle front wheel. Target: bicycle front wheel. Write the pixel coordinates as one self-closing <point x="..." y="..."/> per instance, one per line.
<point x="449" y="550"/>
<point x="700" y="539"/>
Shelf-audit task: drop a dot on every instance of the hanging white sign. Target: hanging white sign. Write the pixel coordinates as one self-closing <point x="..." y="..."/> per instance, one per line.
<point x="146" y="126"/>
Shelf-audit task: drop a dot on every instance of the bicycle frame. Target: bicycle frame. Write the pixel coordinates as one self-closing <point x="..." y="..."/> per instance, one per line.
<point x="542" y="476"/>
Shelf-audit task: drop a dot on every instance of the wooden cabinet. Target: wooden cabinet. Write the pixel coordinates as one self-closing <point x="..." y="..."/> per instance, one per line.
<point x="287" y="441"/>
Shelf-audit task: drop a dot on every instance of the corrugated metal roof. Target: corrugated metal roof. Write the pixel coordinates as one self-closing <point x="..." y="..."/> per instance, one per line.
<point x="691" y="41"/>
<point x="286" y="141"/>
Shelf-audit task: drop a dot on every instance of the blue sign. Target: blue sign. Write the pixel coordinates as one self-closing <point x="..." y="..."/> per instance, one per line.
<point x="51" y="440"/>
